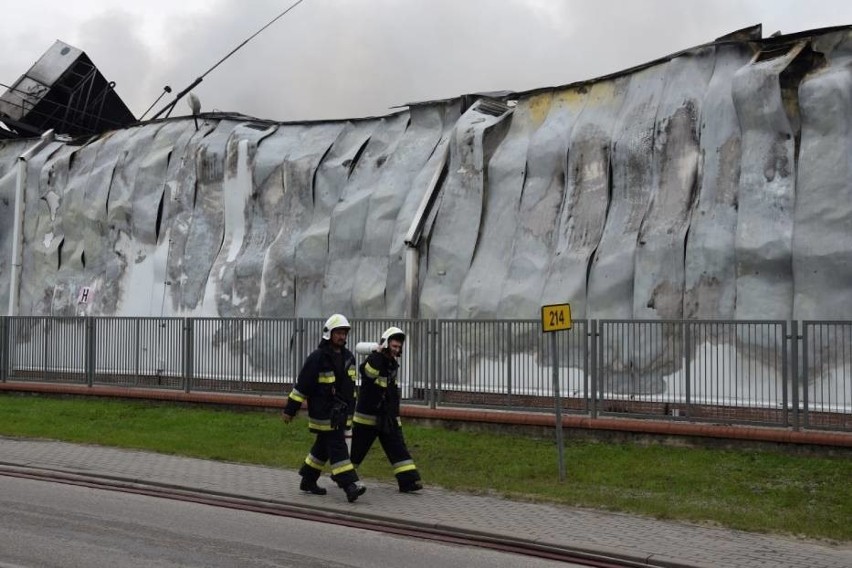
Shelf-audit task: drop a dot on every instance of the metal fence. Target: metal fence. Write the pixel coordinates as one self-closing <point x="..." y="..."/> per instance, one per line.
<point x="701" y="370"/>
<point x="774" y="373"/>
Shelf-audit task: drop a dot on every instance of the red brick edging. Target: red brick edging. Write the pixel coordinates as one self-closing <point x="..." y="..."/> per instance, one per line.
<point x="656" y="427"/>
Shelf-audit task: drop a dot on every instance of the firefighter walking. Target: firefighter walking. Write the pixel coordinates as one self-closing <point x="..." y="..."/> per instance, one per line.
<point x="327" y="383"/>
<point x="377" y="411"/>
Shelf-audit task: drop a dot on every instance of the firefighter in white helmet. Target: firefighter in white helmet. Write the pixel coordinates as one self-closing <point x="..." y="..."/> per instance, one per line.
<point x="377" y="412"/>
<point x="327" y="383"/>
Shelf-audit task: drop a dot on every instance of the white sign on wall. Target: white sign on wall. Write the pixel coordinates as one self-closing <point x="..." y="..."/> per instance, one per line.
<point x="84" y="296"/>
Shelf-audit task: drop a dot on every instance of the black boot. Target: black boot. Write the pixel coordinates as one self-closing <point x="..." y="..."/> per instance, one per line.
<point x="353" y="491"/>
<point x="310" y="486"/>
<point x="410" y="487"/>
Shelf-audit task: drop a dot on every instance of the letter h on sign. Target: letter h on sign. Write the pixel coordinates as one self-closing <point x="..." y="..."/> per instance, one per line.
<point x="84" y="295"/>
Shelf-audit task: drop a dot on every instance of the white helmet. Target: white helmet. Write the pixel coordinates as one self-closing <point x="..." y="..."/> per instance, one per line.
<point x="388" y="333"/>
<point x="336" y="321"/>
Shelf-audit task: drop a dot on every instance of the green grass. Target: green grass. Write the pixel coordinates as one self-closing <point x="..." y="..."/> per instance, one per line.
<point x="751" y="490"/>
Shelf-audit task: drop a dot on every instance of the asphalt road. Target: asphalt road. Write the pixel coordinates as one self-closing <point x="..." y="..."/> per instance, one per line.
<point x="47" y="525"/>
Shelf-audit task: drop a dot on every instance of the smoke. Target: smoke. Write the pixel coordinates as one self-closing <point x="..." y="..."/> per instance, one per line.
<point x="339" y="58"/>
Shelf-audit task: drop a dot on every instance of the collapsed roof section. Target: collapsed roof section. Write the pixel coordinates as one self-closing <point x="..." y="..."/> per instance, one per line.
<point x="63" y="91"/>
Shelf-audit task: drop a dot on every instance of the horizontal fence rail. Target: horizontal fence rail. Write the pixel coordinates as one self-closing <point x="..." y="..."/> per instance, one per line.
<point x="772" y="373"/>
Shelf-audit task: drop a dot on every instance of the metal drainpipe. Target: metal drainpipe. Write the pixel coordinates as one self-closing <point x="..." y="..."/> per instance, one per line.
<point x="412" y="237"/>
<point x="18" y="232"/>
<point x="412" y="269"/>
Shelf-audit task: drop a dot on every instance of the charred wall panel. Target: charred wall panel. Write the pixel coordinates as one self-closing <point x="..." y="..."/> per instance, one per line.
<point x="766" y="192"/>
<point x="611" y="280"/>
<point x="455" y="235"/>
<point x="295" y="258"/>
<point x="822" y="235"/>
<point x="659" y="279"/>
<point x="312" y="247"/>
<point x="710" y="264"/>
<point x="539" y="205"/>
<point x="350" y="214"/>
<point x="711" y="184"/>
<point x="586" y="200"/>
<point x="433" y="125"/>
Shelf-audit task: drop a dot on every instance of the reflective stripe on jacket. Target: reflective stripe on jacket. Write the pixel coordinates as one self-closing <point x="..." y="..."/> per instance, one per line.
<point x="325" y="377"/>
<point x="378" y="394"/>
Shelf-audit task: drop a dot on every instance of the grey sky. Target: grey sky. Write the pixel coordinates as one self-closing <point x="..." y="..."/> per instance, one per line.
<point x="349" y="58"/>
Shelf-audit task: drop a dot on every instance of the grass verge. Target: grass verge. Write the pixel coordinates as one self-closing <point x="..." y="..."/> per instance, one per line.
<point x="759" y="491"/>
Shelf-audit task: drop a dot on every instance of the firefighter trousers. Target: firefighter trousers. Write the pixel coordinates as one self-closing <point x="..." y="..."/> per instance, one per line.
<point x="393" y="444"/>
<point x="330" y="447"/>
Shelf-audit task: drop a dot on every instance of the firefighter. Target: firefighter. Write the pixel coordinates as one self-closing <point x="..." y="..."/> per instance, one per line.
<point x="327" y="383"/>
<point x="377" y="411"/>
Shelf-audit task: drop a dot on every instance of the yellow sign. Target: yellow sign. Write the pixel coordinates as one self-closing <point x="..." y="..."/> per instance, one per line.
<point x="555" y="317"/>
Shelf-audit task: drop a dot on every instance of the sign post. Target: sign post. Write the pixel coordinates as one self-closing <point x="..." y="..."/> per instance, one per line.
<point x="554" y="318"/>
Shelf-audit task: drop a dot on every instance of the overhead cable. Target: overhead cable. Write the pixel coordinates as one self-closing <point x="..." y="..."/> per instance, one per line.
<point x="198" y="80"/>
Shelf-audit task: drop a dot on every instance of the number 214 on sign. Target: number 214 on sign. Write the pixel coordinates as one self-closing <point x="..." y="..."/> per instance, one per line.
<point x="555" y="317"/>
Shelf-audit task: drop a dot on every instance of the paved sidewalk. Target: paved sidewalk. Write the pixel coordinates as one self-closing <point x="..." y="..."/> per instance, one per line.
<point x="638" y="538"/>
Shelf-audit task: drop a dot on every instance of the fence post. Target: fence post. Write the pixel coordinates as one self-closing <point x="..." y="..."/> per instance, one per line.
<point x="584" y="344"/>
<point x="242" y="353"/>
<point x="794" y="364"/>
<point x="509" y="363"/>
<point x="188" y="352"/>
<point x="557" y="399"/>
<point x="687" y="361"/>
<point x="436" y="364"/>
<point x="137" y="349"/>
<point x="593" y="371"/>
<point x="785" y="372"/>
<point x="4" y="349"/>
<point x="90" y="350"/>
<point x="298" y="331"/>
<point x="418" y="366"/>
<point x="45" y="348"/>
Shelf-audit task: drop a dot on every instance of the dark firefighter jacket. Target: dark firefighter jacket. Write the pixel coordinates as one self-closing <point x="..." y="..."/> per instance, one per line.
<point x="378" y="395"/>
<point x="327" y="383"/>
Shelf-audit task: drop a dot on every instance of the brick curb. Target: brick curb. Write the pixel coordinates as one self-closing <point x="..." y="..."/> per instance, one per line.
<point x="672" y="428"/>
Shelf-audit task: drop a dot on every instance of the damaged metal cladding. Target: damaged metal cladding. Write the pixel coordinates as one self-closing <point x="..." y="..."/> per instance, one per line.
<point x="714" y="183"/>
<point x="613" y="271"/>
<point x="348" y="224"/>
<point x="766" y="195"/>
<point x="822" y="220"/>
<point x="455" y="232"/>
<point x="710" y="261"/>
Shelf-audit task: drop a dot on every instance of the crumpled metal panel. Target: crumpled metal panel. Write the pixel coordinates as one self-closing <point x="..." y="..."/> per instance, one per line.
<point x="242" y="255"/>
<point x="611" y="277"/>
<point x="430" y="130"/>
<point x="766" y="190"/>
<point x="182" y="181"/>
<point x="587" y="186"/>
<point x="281" y="205"/>
<point x="480" y="293"/>
<point x="136" y="197"/>
<point x="83" y="240"/>
<point x="349" y="217"/>
<point x="549" y="116"/>
<point x="822" y="235"/>
<point x="300" y="209"/>
<point x="198" y="241"/>
<point x="710" y="261"/>
<point x="43" y="235"/>
<point x="454" y="237"/>
<point x="659" y="277"/>
<point x="9" y="152"/>
<point x="674" y="190"/>
<point x="378" y="277"/>
<point x="313" y="250"/>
